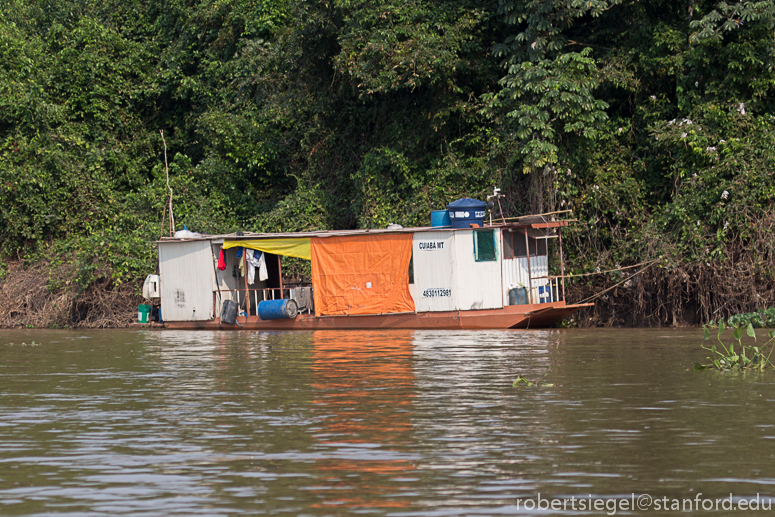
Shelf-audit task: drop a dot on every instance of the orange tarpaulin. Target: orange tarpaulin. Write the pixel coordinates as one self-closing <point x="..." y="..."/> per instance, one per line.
<point x="362" y="274"/>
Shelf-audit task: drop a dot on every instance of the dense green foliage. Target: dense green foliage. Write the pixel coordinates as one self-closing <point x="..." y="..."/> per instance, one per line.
<point x="652" y="121"/>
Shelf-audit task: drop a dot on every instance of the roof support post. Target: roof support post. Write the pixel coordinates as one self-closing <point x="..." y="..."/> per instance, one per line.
<point x="529" y="272"/>
<point x="247" y="292"/>
<point x="280" y="274"/>
<point x="562" y="262"/>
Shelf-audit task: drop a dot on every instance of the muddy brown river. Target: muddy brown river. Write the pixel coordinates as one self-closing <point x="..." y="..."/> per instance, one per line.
<point x="398" y="423"/>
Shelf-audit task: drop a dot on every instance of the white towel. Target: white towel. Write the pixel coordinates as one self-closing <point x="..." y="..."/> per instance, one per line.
<point x="253" y="263"/>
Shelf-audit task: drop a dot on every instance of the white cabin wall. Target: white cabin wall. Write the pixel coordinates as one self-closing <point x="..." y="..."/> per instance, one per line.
<point x="478" y="283"/>
<point x="515" y="272"/>
<point x="434" y="286"/>
<point x="187" y="278"/>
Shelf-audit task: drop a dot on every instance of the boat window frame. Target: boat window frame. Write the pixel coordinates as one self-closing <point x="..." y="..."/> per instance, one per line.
<point x="514" y="245"/>
<point x="477" y="258"/>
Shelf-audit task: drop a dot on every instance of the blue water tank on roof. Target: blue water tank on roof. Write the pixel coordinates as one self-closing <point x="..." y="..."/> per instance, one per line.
<point x="465" y="212"/>
<point x="440" y="218"/>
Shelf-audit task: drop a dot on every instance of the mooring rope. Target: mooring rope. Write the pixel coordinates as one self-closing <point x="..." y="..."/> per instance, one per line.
<point x="608" y="271"/>
<point x="648" y="265"/>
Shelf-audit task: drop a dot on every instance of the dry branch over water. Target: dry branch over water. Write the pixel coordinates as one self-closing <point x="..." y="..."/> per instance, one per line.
<point x="676" y="293"/>
<point x="42" y="296"/>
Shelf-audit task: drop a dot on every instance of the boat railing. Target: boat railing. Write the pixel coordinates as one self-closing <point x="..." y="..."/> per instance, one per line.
<point x="248" y="300"/>
<point x="545" y="292"/>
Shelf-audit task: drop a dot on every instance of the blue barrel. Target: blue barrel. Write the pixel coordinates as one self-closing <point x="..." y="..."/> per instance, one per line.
<point x="440" y="218"/>
<point x="465" y="212"/>
<point x="277" y="309"/>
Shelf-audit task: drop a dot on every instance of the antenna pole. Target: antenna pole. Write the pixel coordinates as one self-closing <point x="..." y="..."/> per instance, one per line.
<point x="167" y="171"/>
<point x="496" y="193"/>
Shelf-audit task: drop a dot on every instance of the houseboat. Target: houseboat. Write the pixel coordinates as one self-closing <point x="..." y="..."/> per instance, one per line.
<point x="456" y="274"/>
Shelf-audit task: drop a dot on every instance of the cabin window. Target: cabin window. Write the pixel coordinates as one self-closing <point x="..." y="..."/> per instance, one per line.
<point x="514" y="245"/>
<point x="411" y="269"/>
<point x="484" y="245"/>
<point x="508" y="244"/>
<point x="537" y="246"/>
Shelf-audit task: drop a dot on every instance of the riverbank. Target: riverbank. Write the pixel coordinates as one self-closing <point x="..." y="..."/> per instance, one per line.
<point x="50" y="296"/>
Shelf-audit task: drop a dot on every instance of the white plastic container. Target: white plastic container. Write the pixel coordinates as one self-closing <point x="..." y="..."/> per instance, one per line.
<point x="151" y="287"/>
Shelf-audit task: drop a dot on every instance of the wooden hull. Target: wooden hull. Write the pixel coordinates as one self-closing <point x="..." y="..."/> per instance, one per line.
<point x="510" y="317"/>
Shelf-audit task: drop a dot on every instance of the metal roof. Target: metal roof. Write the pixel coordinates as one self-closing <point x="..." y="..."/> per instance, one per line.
<point x="343" y="233"/>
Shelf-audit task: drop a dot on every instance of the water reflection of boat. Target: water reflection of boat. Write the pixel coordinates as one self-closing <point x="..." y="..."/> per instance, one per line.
<point x="364" y="388"/>
<point x="365" y="380"/>
<point x="477" y="277"/>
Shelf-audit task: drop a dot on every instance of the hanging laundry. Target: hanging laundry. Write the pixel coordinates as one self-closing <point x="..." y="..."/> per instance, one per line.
<point x="251" y="272"/>
<point x="221" y="260"/>
<point x="255" y="259"/>
<point x="263" y="274"/>
<point x="240" y="261"/>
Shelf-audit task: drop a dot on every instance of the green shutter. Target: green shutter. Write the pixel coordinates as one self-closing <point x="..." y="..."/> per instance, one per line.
<point x="484" y="245"/>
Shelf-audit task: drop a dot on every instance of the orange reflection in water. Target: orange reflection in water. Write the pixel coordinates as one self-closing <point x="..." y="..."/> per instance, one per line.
<point x="364" y="385"/>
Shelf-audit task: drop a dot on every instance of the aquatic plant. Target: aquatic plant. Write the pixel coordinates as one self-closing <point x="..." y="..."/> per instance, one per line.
<point x="523" y="382"/>
<point x="740" y="356"/>
<point x="763" y="318"/>
<point x="25" y="344"/>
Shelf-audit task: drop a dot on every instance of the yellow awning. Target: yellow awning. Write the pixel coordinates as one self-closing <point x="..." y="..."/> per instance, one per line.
<point x="288" y="247"/>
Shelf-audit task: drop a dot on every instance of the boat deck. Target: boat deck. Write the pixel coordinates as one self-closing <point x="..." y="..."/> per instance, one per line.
<point x="510" y="317"/>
